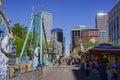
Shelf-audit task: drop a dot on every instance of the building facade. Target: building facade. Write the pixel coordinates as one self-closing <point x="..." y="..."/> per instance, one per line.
<point x="58" y="41"/>
<point x="102" y="25"/>
<point x="114" y="24"/>
<point x="89" y="33"/>
<point x="76" y="36"/>
<point x="47" y="19"/>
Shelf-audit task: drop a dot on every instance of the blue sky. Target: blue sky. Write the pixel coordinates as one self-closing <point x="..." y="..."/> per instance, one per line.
<point x="66" y="13"/>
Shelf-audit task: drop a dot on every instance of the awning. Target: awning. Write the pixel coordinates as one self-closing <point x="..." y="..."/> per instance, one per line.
<point x="104" y="51"/>
<point x="105" y="48"/>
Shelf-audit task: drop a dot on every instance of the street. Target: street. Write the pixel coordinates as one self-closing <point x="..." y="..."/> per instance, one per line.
<point x="66" y="73"/>
<point x="63" y="73"/>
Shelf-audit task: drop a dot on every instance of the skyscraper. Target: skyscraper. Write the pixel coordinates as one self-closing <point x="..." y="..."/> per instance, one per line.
<point x="58" y="41"/>
<point x="47" y="18"/>
<point x="102" y="25"/>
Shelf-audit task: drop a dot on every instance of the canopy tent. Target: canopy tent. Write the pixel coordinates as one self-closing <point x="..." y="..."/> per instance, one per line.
<point x="105" y="48"/>
<point x="112" y="53"/>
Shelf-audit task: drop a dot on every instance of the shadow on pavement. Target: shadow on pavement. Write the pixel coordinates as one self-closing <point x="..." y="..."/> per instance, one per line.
<point x="79" y="74"/>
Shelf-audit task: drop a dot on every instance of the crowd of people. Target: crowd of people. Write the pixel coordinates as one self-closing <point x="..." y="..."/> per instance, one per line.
<point x="70" y="61"/>
<point x="101" y="70"/>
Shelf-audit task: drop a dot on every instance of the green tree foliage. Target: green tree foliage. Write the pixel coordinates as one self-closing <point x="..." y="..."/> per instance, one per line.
<point x="76" y="50"/>
<point x="21" y="32"/>
<point x="17" y="29"/>
<point x="50" y="44"/>
<point x="45" y="47"/>
<point x="19" y="44"/>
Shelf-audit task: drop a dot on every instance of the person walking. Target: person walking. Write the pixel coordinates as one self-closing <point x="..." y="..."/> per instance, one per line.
<point x="94" y="74"/>
<point x="102" y="71"/>
<point x="87" y="69"/>
<point x="59" y="61"/>
<point x="109" y="73"/>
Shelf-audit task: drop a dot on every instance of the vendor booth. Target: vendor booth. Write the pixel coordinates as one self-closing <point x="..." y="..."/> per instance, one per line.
<point x="107" y="53"/>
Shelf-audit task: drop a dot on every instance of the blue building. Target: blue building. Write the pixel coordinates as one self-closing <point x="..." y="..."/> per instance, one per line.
<point x="58" y="41"/>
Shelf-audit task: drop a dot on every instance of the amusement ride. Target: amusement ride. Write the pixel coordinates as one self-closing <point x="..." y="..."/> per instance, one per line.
<point x="7" y="46"/>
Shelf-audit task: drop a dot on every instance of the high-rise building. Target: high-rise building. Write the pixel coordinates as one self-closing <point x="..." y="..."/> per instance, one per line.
<point x="114" y="24"/>
<point x="58" y="41"/>
<point x="102" y="25"/>
<point x="47" y="18"/>
<point x="75" y="36"/>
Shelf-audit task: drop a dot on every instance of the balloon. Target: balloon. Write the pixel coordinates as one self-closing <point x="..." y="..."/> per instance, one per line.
<point x="115" y="66"/>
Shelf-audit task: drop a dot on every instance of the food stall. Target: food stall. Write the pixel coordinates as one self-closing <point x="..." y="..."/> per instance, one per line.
<point x="106" y="52"/>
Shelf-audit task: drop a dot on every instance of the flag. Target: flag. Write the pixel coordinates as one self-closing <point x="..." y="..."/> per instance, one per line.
<point x="10" y="30"/>
<point x="4" y="7"/>
<point x="32" y="12"/>
<point x="92" y="40"/>
<point x="81" y="46"/>
<point x="0" y="2"/>
<point x="8" y="20"/>
<point x="42" y="7"/>
<point x="33" y="7"/>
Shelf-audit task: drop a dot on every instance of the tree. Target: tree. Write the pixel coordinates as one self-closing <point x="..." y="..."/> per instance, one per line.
<point x="21" y="32"/>
<point x="19" y="44"/>
<point x="17" y="29"/>
<point x="45" y="47"/>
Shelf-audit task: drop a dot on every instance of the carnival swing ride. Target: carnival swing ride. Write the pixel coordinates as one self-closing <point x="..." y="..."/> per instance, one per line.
<point x="7" y="46"/>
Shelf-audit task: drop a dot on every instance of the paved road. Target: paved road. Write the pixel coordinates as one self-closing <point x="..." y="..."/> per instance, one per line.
<point x="66" y="73"/>
<point x="63" y="73"/>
